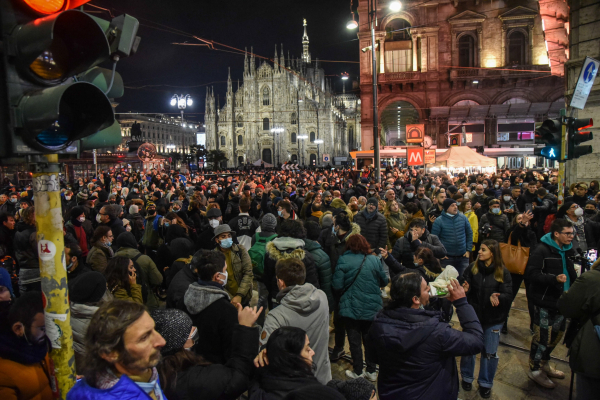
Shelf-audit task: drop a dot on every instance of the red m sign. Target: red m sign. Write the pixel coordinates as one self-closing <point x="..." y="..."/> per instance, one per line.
<point x="414" y="156"/>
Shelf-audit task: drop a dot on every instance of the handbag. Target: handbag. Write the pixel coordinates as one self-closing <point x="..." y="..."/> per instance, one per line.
<point x="515" y="257"/>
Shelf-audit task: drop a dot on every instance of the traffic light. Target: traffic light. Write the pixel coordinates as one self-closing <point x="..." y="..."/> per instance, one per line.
<point x="549" y="133"/>
<point x="48" y="49"/>
<point x="577" y="136"/>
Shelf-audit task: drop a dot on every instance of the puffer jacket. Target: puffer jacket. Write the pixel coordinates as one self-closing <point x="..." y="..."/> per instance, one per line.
<point x="498" y="223"/>
<point x="454" y="232"/>
<point x="404" y="248"/>
<point x="81" y="314"/>
<point x="374" y="229"/>
<point x="335" y="246"/>
<point x="282" y="248"/>
<point x="474" y="221"/>
<point x="481" y="287"/>
<point x="98" y="257"/>
<point x="323" y="268"/>
<point x="242" y="271"/>
<point x="362" y="299"/>
<point x="124" y="389"/>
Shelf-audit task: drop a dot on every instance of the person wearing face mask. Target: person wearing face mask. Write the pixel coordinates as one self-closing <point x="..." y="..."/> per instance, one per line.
<point x="214" y="217"/>
<point x="544" y="206"/>
<point x="587" y="232"/>
<point x="151" y="238"/>
<point x="454" y="231"/>
<point x="75" y="261"/>
<point x="101" y="250"/>
<point x="590" y="212"/>
<point x="493" y="224"/>
<point x="508" y="205"/>
<point x="68" y="201"/>
<point x="134" y="193"/>
<point x="80" y="228"/>
<point x="239" y="266"/>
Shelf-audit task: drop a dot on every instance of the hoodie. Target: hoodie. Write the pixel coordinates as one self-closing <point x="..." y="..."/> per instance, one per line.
<point x="208" y="304"/>
<point x="305" y="307"/>
<point x="547" y="239"/>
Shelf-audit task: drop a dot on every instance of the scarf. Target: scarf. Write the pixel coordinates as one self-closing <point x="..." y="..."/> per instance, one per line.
<point x="369" y="215"/>
<point x="317" y="214"/>
<point x="81" y="239"/>
<point x="19" y="350"/>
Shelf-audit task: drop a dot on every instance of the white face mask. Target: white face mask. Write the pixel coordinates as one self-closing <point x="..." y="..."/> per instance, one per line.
<point x="81" y="219"/>
<point x="506" y="198"/>
<point x="579" y="212"/>
<point x="99" y="218"/>
<point x="224" y="282"/>
<point x="213" y="223"/>
<point x="68" y="198"/>
<point x="410" y="195"/>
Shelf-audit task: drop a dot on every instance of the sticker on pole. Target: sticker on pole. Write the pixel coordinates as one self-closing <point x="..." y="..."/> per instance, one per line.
<point x="585" y="82"/>
<point x="46" y="250"/>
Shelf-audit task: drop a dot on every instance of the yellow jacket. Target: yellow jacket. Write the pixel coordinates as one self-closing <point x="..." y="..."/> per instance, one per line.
<point x="474" y="225"/>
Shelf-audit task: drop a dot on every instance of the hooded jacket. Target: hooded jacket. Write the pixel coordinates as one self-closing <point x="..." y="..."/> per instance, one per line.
<point x="416" y="351"/>
<point x="208" y="304"/>
<point x="242" y="271"/>
<point x="98" y="257"/>
<point x="282" y="248"/>
<point x="323" y="268"/>
<point x="454" y="232"/>
<point x="545" y="263"/>
<point x="405" y="248"/>
<point x="305" y="307"/>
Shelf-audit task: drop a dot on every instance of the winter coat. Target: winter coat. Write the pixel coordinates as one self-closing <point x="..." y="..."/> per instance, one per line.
<point x="305" y="307"/>
<point x="242" y="271"/>
<point x="87" y="228"/>
<point x="244" y="227"/>
<point x="124" y="389"/>
<point x="134" y="294"/>
<point x="282" y="248"/>
<point x="362" y="299"/>
<point x="323" y="268"/>
<point x="544" y="265"/>
<point x="541" y="212"/>
<point x="25" y="246"/>
<point x="474" y="222"/>
<point x="24" y="381"/>
<point x="208" y="304"/>
<point x="524" y="234"/>
<point x="455" y="233"/>
<point x="499" y="224"/>
<point x="416" y="351"/>
<point x="404" y="249"/>
<point x="481" y="287"/>
<point x="81" y="314"/>
<point x="98" y="257"/>
<point x="374" y="229"/>
<point x="152" y="274"/>
<point x="270" y="386"/>
<point x="434" y="211"/>
<point x="398" y="221"/>
<point x="228" y="381"/>
<point x="582" y="301"/>
<point x="179" y="285"/>
<point x="335" y="246"/>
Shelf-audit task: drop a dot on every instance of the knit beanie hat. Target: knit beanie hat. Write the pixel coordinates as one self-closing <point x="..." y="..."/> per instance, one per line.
<point x="157" y="194"/>
<point x="374" y="201"/>
<point x="447" y="203"/>
<point x="150" y="204"/>
<point x="82" y="195"/>
<point x="174" y="326"/>
<point x="76" y="212"/>
<point x="353" y="389"/>
<point x="276" y="192"/>
<point x="5" y="281"/>
<point x="268" y="223"/>
<point x="213" y="213"/>
<point x="315" y="391"/>
<point x="87" y="288"/>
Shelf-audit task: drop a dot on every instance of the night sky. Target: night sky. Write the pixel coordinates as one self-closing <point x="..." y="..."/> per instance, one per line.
<point x="160" y="69"/>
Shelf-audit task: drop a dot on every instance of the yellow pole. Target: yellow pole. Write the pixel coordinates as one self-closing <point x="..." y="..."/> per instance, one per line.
<point x="562" y="162"/>
<point x="50" y="242"/>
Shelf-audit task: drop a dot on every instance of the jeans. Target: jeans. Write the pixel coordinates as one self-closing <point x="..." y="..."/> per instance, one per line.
<point x="459" y="262"/>
<point x="357" y="333"/>
<point x="548" y="330"/>
<point x="488" y="363"/>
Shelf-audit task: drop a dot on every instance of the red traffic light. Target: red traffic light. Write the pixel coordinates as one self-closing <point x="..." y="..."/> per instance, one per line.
<point x="583" y="123"/>
<point x="48" y="7"/>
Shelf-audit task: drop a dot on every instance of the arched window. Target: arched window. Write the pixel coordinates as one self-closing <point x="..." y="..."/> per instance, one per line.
<point x="294" y="119"/>
<point x="240" y="121"/>
<point x="266" y="124"/>
<point x="466" y="103"/>
<point x="240" y="140"/>
<point x="466" y="51"/>
<point x="293" y="138"/>
<point x="266" y="94"/>
<point x="516" y="48"/>
<point x="294" y="159"/>
<point x="222" y="140"/>
<point x="266" y="156"/>
<point x="312" y="137"/>
<point x="396" y="30"/>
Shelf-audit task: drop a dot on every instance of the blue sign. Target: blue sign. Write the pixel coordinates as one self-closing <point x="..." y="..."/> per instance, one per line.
<point x="585" y="82"/>
<point x="589" y="73"/>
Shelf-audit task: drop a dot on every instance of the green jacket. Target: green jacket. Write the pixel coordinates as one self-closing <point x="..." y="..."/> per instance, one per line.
<point x="362" y="299"/>
<point x="242" y="272"/>
<point x="152" y="274"/>
<point x="98" y="257"/>
<point x="323" y="268"/>
<point x="582" y="301"/>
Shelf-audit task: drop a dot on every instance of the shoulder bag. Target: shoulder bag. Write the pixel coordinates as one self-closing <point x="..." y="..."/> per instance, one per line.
<point x="515" y="257"/>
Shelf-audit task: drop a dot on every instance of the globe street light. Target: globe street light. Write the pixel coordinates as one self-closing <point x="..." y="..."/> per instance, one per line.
<point x="318" y="143"/>
<point x="302" y="138"/>
<point x="277" y="129"/>
<point x="395" y="6"/>
<point x="182" y="101"/>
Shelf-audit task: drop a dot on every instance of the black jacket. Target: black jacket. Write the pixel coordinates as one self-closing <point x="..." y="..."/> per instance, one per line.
<point x="270" y="386"/>
<point x="498" y="223"/>
<point x="481" y="287"/>
<point x="179" y="284"/>
<point x="404" y="248"/>
<point x="374" y="229"/>
<point x="222" y="382"/>
<point x="524" y="234"/>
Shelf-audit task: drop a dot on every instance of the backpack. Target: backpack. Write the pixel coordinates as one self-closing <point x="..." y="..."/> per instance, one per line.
<point x="549" y="220"/>
<point x="140" y="277"/>
<point x="257" y="253"/>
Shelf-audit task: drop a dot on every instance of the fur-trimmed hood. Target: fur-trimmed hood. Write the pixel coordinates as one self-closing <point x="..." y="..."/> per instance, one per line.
<point x="197" y="298"/>
<point x="354" y="230"/>
<point x="282" y="248"/>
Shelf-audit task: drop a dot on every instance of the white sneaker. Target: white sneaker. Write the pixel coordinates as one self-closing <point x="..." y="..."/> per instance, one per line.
<point x="541" y="379"/>
<point x="551" y="372"/>
<point x="384" y="294"/>
<point x="352" y="375"/>
<point x="372" y="376"/>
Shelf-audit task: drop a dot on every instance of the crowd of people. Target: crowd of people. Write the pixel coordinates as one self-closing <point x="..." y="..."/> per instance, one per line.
<point x="209" y="286"/>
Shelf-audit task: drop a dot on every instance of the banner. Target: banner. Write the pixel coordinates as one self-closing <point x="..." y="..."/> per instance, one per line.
<point x="414" y="156"/>
<point x="415" y="133"/>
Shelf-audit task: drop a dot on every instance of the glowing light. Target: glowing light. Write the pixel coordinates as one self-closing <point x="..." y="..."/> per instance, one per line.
<point x="46" y="6"/>
<point x="395" y="6"/>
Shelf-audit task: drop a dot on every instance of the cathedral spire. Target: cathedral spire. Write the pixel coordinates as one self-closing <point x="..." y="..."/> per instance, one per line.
<point x="305" y="53"/>
<point x="229" y="88"/>
<point x="276" y="61"/>
<point x="252" y="63"/>
<point x="245" y="61"/>
<point x="282" y="60"/>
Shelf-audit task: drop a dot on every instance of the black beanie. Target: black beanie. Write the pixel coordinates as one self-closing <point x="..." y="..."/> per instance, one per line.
<point x="353" y="389"/>
<point x="174" y="326"/>
<point x="447" y="203"/>
<point x="76" y="212"/>
<point x="87" y="288"/>
<point x="103" y="196"/>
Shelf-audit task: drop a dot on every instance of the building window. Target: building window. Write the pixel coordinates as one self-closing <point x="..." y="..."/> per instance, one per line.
<point x="240" y="140"/>
<point x="294" y="159"/>
<point x="266" y="124"/>
<point x="222" y="140"/>
<point x="351" y="136"/>
<point x="266" y="94"/>
<point x="294" y="119"/>
<point x="312" y="137"/>
<point x="516" y="48"/>
<point x="466" y="51"/>
<point x="313" y="159"/>
<point x="266" y="155"/>
<point x="398" y="60"/>
<point x="293" y="138"/>
<point x="397" y="30"/>
<point x="240" y="121"/>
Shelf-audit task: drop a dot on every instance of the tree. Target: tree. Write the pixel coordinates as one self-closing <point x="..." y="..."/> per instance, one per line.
<point x="215" y="157"/>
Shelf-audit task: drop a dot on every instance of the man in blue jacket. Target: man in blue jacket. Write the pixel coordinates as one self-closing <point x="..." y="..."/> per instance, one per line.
<point x="455" y="233"/>
<point x="414" y="348"/>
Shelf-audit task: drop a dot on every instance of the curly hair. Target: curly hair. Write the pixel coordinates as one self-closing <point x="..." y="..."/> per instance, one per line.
<point x="292" y="228"/>
<point x="358" y="245"/>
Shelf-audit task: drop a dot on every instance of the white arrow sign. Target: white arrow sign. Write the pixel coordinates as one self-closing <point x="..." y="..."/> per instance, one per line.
<point x="585" y="82"/>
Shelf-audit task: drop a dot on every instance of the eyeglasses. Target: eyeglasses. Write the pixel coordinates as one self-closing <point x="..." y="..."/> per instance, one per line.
<point x="568" y="233"/>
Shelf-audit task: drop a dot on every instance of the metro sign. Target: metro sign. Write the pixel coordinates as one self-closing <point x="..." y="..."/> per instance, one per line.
<point x="414" y="156"/>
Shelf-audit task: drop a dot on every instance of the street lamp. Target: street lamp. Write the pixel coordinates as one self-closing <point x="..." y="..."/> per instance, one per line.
<point x="303" y="138"/>
<point x="395" y="6"/>
<point x="352" y="24"/>
<point x="182" y="101"/>
<point x="318" y="143"/>
<point x="277" y="129"/>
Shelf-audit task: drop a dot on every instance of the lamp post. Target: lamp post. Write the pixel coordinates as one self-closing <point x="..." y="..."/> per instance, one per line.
<point x="277" y="129"/>
<point x="303" y="138"/>
<point x="181" y="101"/>
<point x="318" y="142"/>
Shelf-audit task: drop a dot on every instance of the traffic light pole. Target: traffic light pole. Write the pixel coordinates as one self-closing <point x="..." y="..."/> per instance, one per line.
<point x="50" y="246"/>
<point x="562" y="164"/>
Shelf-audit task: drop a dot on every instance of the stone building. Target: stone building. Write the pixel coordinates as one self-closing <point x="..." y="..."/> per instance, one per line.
<point x="442" y="62"/>
<point x="274" y="105"/>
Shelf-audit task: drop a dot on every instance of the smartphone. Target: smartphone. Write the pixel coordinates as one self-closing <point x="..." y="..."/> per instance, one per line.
<point x="528" y="207"/>
<point x="592" y="256"/>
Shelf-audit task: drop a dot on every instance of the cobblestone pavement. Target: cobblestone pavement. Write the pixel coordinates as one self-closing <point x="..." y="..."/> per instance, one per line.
<point x="511" y="381"/>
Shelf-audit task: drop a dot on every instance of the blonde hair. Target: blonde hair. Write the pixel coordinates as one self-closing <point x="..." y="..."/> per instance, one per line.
<point x="494" y="248"/>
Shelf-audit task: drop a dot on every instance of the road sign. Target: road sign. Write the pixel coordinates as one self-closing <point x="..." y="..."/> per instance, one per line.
<point x="326" y="158"/>
<point x="429" y="157"/>
<point x="585" y="82"/>
<point x="415" y="133"/>
<point x="414" y="156"/>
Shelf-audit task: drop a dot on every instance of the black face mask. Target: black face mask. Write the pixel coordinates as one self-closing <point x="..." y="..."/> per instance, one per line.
<point x="590" y="212"/>
<point x="151" y="212"/>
